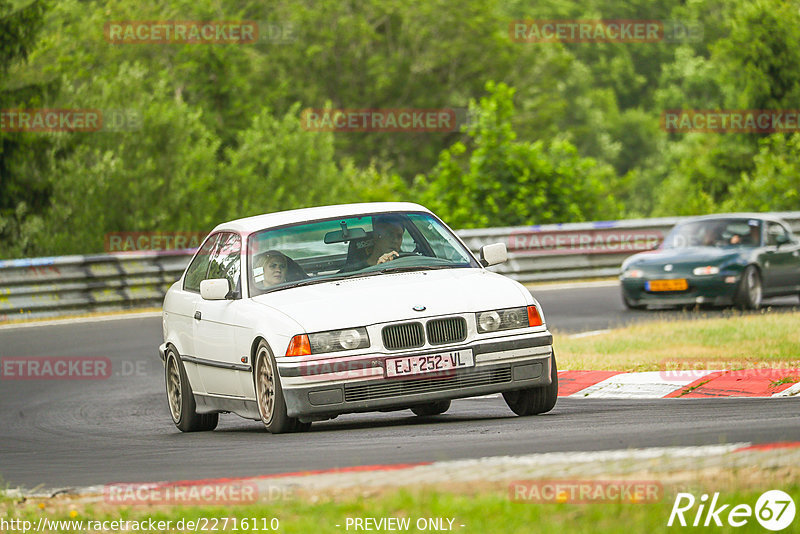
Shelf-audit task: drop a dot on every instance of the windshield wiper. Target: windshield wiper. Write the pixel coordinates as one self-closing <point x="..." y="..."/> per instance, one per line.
<point x="408" y="268"/>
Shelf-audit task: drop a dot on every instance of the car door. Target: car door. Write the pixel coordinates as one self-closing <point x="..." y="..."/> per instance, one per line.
<point x="181" y="304"/>
<point x="783" y="255"/>
<point x="217" y="334"/>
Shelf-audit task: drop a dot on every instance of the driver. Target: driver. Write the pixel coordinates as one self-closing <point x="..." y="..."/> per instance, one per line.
<point x="387" y="237"/>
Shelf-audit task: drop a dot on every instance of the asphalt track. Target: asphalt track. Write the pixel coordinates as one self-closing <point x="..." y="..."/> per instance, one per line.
<point x="58" y="434"/>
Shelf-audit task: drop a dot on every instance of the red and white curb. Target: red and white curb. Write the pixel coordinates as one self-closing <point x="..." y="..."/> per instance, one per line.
<point x="658" y="462"/>
<point x="680" y="384"/>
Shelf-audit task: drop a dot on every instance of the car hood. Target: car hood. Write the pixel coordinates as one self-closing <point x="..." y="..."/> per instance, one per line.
<point x="392" y="297"/>
<point x="686" y="257"/>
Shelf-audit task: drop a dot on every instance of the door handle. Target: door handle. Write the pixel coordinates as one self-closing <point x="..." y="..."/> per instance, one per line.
<point x="198" y="315"/>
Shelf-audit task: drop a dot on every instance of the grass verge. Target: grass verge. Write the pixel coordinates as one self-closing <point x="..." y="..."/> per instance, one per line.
<point x="479" y="512"/>
<point x="741" y="341"/>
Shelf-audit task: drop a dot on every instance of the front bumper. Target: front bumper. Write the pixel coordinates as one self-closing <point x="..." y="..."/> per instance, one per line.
<point x="500" y="365"/>
<point x="702" y="290"/>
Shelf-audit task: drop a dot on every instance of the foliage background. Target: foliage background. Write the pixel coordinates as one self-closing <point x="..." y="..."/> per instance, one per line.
<point x="560" y="132"/>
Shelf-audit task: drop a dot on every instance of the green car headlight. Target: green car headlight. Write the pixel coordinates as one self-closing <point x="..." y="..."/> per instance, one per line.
<point x="706" y="270"/>
<point x="632" y="273"/>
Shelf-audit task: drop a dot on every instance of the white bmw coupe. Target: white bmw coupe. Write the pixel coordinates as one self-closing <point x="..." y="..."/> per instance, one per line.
<point x="303" y="315"/>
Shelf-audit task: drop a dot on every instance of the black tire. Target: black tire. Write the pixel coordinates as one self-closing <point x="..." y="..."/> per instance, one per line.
<point x="750" y="291"/>
<point x="631" y="305"/>
<point x="269" y="395"/>
<point x="431" y="408"/>
<point x="538" y="400"/>
<point x="182" y="406"/>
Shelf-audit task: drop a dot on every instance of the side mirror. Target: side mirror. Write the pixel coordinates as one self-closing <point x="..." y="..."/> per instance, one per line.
<point x="493" y="254"/>
<point x="781" y="239"/>
<point x="215" y="289"/>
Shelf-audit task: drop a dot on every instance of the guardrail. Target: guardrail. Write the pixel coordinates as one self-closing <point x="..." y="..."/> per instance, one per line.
<point x="48" y="287"/>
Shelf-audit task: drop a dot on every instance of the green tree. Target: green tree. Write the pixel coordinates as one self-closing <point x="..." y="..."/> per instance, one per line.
<point x="774" y="182"/>
<point x="502" y="182"/>
<point x="24" y="185"/>
<point x="157" y="172"/>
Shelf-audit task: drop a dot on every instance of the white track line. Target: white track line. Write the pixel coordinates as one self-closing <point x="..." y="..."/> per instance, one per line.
<point x="75" y="320"/>
<point x="572" y="285"/>
<point x="590" y="333"/>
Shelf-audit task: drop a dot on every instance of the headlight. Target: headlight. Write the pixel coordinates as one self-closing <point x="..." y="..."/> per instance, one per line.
<point x="633" y="273"/>
<point x="708" y="269"/>
<point x="336" y="340"/>
<point x="506" y="319"/>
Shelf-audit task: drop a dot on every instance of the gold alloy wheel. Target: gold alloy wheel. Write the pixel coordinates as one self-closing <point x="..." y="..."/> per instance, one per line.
<point x="174" y="388"/>
<point x="265" y="381"/>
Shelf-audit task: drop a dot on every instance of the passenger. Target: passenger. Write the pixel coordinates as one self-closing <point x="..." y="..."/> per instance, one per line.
<point x="710" y="236"/>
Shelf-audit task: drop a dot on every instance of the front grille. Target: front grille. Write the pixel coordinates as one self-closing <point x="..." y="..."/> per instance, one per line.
<point x="447" y="330"/>
<point x="401" y="387"/>
<point x="403" y="336"/>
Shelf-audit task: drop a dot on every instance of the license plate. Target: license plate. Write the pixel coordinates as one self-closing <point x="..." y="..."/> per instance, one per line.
<point x="429" y="363"/>
<point x="678" y="284"/>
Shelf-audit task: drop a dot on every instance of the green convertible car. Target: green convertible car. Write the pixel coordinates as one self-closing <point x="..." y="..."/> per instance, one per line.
<point x="736" y="259"/>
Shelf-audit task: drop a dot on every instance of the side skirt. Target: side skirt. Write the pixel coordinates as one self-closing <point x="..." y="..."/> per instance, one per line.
<point x="241" y="406"/>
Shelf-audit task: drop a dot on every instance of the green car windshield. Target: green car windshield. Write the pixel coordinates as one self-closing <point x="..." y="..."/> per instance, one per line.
<point x="367" y="245"/>
<point x="715" y="233"/>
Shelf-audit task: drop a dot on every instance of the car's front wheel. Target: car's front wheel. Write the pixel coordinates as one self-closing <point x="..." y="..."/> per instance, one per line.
<point x="182" y="405"/>
<point x="749" y="293"/>
<point x="269" y="394"/>
<point x="538" y="400"/>
<point x="431" y="408"/>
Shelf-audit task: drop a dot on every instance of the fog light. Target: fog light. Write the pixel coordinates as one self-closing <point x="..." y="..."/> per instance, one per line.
<point x="730" y="279"/>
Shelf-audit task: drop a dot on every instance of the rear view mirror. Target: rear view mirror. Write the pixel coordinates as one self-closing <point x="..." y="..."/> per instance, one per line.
<point x="215" y="289"/>
<point x="493" y="254"/>
<point x="346" y="234"/>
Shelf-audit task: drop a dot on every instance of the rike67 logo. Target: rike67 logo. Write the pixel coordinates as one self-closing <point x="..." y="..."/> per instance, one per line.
<point x="774" y="510"/>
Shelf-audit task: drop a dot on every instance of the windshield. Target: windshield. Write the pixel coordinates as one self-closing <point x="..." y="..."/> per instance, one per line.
<point x="715" y="233"/>
<point x="364" y="245"/>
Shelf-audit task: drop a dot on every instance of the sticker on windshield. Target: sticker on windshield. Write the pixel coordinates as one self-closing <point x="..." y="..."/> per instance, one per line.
<point x="752" y="222"/>
<point x="258" y="271"/>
